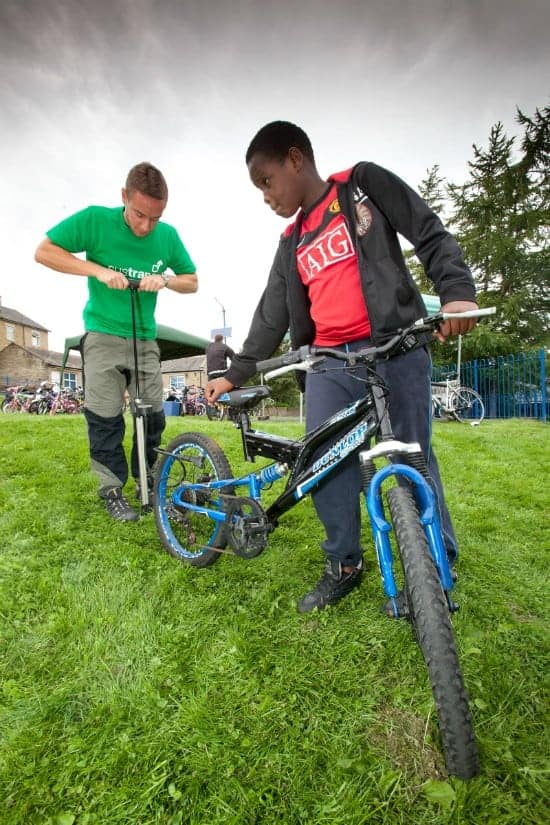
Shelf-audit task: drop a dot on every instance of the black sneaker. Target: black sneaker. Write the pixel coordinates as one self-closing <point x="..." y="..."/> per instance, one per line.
<point x="117" y="506"/>
<point x="333" y="585"/>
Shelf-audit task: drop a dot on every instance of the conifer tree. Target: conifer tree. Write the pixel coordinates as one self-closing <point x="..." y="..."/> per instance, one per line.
<point x="501" y="216"/>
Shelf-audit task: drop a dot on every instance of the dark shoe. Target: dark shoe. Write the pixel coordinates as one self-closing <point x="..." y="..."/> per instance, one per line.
<point x="117" y="506"/>
<point x="333" y="585"/>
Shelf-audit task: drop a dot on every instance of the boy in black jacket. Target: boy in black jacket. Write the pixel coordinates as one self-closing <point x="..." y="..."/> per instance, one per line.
<point x="339" y="279"/>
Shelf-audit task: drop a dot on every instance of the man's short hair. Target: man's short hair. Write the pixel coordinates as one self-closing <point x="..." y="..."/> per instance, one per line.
<point x="147" y="179"/>
<point x="218" y="337"/>
<point x="274" y="141"/>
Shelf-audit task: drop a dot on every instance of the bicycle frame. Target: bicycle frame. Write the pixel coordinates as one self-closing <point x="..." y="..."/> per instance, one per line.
<point x="348" y="431"/>
<point x="443" y="399"/>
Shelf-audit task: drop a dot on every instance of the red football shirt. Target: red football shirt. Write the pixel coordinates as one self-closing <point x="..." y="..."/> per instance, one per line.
<point x="327" y="264"/>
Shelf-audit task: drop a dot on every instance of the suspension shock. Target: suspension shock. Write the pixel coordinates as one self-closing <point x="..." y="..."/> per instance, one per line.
<point x="273" y="472"/>
<point x="417" y="461"/>
<point x="367" y="470"/>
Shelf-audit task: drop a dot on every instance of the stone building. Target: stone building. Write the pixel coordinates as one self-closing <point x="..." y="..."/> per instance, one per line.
<point x="25" y="356"/>
<point x="184" y="372"/>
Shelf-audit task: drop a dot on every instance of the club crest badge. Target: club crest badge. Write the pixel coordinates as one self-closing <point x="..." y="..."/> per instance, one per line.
<point x="364" y="218"/>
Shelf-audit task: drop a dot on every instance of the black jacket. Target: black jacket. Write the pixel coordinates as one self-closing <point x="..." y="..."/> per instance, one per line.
<point x="391" y="295"/>
<point x="217" y="354"/>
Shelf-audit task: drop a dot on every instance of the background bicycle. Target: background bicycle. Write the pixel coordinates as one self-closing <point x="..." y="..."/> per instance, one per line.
<point x="15" y="398"/>
<point x="451" y="400"/>
<point x="68" y="401"/>
<point x="193" y="401"/>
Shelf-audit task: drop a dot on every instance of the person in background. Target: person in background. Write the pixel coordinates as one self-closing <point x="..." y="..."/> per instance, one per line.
<point x="339" y="280"/>
<point x="217" y="354"/>
<point x="121" y="244"/>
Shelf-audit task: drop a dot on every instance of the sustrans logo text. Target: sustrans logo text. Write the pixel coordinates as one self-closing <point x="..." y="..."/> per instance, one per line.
<point x="131" y="273"/>
<point x="332" y="246"/>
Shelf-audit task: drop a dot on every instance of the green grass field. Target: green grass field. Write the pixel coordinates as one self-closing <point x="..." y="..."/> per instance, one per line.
<point x="135" y="689"/>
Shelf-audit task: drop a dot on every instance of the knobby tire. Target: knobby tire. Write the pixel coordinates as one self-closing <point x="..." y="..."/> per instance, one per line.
<point x="429" y="616"/>
<point x="190" y="458"/>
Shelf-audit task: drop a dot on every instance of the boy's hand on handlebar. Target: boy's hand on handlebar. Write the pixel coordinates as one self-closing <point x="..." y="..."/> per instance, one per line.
<point x="217" y="387"/>
<point x="456" y="326"/>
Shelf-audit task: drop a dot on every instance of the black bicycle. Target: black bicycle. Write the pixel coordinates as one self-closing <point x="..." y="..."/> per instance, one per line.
<point x="201" y="513"/>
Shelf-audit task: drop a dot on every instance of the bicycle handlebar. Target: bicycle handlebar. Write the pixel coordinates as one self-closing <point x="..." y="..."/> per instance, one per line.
<point x="293" y="356"/>
<point x="306" y="357"/>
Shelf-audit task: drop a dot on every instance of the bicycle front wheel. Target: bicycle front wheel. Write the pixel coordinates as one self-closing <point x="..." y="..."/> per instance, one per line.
<point x="192" y="537"/>
<point x="466" y="406"/>
<point x="429" y="616"/>
<point x="10" y="406"/>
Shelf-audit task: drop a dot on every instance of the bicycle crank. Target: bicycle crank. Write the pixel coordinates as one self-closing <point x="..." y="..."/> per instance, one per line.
<point x="247" y="526"/>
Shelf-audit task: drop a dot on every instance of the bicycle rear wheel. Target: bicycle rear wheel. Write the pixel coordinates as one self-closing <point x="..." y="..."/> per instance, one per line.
<point x="429" y="616"/>
<point x="191" y="458"/>
<point x="466" y="406"/>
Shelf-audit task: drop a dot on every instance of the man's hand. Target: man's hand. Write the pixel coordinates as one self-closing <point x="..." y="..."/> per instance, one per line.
<point x="217" y="387"/>
<point x="152" y="283"/>
<point x="112" y="279"/>
<point x="456" y="326"/>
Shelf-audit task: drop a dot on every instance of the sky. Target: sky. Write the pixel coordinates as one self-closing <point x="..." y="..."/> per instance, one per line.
<point x="88" y="89"/>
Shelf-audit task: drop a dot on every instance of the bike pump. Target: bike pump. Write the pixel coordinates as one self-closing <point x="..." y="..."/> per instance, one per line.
<point x="140" y="411"/>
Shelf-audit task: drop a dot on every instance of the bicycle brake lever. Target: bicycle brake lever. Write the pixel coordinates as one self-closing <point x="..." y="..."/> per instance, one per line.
<point x="314" y="361"/>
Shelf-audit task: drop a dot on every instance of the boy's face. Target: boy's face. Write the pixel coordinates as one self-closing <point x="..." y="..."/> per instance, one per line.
<point x="279" y="181"/>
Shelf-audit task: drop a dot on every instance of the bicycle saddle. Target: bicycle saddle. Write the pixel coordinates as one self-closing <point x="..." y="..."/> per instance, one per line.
<point x="245" y="398"/>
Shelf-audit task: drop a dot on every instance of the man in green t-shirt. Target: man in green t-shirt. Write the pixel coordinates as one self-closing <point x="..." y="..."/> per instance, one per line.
<point x="128" y="243"/>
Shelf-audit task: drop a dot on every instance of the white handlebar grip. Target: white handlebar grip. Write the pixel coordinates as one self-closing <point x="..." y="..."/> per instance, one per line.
<point x="470" y="313"/>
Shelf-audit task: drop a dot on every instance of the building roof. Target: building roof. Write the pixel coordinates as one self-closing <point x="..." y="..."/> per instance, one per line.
<point x="196" y="363"/>
<point x="49" y="357"/>
<point x="7" y="314"/>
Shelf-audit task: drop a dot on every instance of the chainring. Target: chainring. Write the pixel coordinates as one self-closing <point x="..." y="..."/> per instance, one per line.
<point x="247" y="526"/>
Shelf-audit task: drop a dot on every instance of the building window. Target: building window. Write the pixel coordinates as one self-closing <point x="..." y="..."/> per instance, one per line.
<point x="177" y="382"/>
<point x="10" y="332"/>
<point x="35" y="338"/>
<point x="69" y="380"/>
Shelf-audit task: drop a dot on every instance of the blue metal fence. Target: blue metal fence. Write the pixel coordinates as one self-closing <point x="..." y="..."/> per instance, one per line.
<point x="510" y="385"/>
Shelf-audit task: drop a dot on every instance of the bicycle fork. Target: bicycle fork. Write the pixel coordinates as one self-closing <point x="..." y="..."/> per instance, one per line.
<point x="381" y="527"/>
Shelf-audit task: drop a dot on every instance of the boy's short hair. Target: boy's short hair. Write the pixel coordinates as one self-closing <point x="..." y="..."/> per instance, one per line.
<point x="147" y="179"/>
<point x="274" y="140"/>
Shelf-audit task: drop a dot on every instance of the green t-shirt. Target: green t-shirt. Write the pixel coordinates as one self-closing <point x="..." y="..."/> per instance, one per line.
<point x="103" y="234"/>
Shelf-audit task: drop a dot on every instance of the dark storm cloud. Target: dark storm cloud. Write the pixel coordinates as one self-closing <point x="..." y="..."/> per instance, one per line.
<point x="51" y="42"/>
